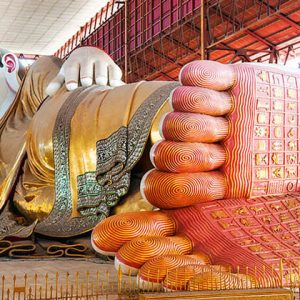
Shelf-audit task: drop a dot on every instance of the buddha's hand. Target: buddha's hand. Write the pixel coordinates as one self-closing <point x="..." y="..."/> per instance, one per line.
<point x="86" y="66"/>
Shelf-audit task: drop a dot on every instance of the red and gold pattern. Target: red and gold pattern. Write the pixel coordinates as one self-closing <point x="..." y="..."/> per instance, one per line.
<point x="262" y="131"/>
<point x="257" y="226"/>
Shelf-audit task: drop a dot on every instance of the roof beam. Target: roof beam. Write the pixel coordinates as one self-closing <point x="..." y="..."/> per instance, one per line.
<point x="280" y="15"/>
<point x="181" y="45"/>
<point x="247" y="30"/>
<point x="153" y="69"/>
<point x="289" y="21"/>
<point x="275" y="12"/>
<point x="169" y="59"/>
<point x="259" y="38"/>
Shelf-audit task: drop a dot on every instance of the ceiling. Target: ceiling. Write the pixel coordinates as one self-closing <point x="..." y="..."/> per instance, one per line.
<point x="42" y="26"/>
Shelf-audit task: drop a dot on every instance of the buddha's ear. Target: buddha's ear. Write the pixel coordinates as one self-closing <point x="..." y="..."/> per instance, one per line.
<point x="11" y="67"/>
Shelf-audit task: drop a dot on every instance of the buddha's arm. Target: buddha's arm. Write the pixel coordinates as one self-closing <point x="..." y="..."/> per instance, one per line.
<point x="17" y="111"/>
<point x="107" y="114"/>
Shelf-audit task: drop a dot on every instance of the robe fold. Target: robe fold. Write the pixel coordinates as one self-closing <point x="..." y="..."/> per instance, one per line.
<point x="80" y="150"/>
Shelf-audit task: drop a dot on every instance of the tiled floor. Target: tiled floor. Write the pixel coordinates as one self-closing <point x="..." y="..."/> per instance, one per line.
<point x="59" y="276"/>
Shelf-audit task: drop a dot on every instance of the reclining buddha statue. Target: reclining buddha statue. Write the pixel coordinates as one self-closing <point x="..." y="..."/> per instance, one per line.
<point x="215" y="155"/>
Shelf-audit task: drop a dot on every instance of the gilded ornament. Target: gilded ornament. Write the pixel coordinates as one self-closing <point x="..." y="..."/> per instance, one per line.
<point x="256" y="248"/>
<point x="276" y="228"/>
<point x="275" y="158"/>
<point x="263" y="105"/>
<point x="291" y="158"/>
<point x="286" y="236"/>
<point x="256" y="231"/>
<point x="258" y="209"/>
<point x="247" y="242"/>
<point x="261" y="159"/>
<point x="245" y="222"/>
<point x="292" y="145"/>
<point x="266" y="239"/>
<point x="284" y="217"/>
<point x="292" y="203"/>
<point x="263" y="75"/>
<point x="261" y="145"/>
<point x="276" y="246"/>
<point x="262" y="173"/>
<point x="278" y="105"/>
<point x="291" y="172"/>
<point x="277" y="119"/>
<point x="261" y="131"/>
<point x="291" y="93"/>
<point x="225" y="225"/>
<point x="278" y="172"/>
<point x="291" y="105"/>
<point x="291" y="81"/>
<point x="293" y="226"/>
<point x="219" y="214"/>
<point x="266" y="219"/>
<point x="278" y="132"/>
<point x="291" y="133"/>
<point x="241" y="211"/>
<point x="262" y="118"/>
<point x="291" y="119"/>
<point x="264" y="89"/>
<point x="275" y="207"/>
<point x="277" y="146"/>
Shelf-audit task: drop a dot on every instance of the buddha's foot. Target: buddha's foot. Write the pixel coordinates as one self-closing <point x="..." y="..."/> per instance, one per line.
<point x="228" y="147"/>
<point x="246" y="236"/>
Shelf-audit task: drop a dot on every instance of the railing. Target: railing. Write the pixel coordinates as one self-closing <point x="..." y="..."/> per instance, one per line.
<point x="103" y="285"/>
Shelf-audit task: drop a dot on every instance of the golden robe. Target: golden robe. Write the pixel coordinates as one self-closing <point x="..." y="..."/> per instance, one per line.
<point x="73" y="156"/>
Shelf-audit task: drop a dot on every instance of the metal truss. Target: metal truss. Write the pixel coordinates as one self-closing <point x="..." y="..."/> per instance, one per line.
<point x="152" y="39"/>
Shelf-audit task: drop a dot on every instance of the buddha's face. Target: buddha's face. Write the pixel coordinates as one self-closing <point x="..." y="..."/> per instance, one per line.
<point x="9" y="80"/>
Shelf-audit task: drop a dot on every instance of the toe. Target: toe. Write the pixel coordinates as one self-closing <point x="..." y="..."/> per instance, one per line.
<point x="154" y="271"/>
<point x="190" y="127"/>
<point x="132" y="255"/>
<point x="110" y="234"/>
<point x="198" y="277"/>
<point x="200" y="100"/>
<point x="179" y="157"/>
<point x="208" y="74"/>
<point x="171" y="190"/>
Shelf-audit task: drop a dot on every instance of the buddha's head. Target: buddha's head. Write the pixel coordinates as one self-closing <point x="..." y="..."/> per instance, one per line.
<point x="9" y="79"/>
